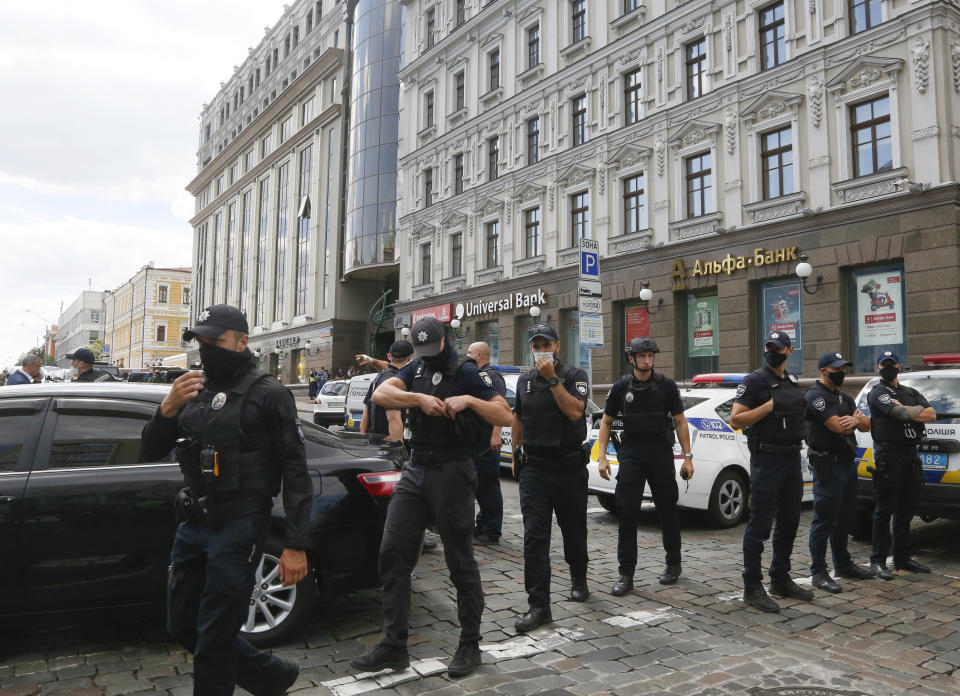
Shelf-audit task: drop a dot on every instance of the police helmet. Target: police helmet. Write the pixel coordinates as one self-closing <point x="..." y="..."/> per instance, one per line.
<point x="641" y="345"/>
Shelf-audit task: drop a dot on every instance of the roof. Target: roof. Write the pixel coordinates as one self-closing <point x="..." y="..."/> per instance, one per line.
<point x="112" y="390"/>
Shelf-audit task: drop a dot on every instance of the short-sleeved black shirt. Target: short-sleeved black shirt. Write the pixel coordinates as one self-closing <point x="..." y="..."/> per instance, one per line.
<point x="880" y="399"/>
<point x="753" y="391"/>
<point x="822" y="404"/>
<point x="575" y="382"/>
<point x="491" y="376"/>
<point x="466" y="381"/>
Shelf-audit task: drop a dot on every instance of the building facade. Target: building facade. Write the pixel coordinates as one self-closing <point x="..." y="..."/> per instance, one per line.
<point x="79" y="325"/>
<point x="146" y="316"/>
<point x="707" y="147"/>
<point x="296" y="186"/>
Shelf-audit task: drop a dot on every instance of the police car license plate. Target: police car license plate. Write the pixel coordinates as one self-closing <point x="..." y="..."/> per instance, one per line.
<point x="935" y="461"/>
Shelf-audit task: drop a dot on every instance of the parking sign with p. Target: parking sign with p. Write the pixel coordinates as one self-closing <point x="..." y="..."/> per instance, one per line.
<point x="589" y="258"/>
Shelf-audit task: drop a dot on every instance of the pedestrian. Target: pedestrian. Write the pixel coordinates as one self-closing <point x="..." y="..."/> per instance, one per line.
<point x="769" y="402"/>
<point x="650" y="407"/>
<point x="380" y="424"/>
<point x="82" y="361"/>
<point x="312" y="383"/>
<point x="831" y="418"/>
<point x="28" y="372"/>
<point x="448" y="400"/>
<point x="4" y="376"/>
<point x="239" y="437"/>
<point x="486" y="459"/>
<point x="897" y="417"/>
<point x="549" y="461"/>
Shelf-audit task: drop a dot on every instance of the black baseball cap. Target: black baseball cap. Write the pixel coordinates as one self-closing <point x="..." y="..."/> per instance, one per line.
<point x="780" y="339"/>
<point x="216" y="319"/>
<point x="83" y="355"/>
<point x="887" y="355"/>
<point x="400" y="349"/>
<point x="832" y="359"/>
<point x="427" y="334"/>
<point x="544" y="330"/>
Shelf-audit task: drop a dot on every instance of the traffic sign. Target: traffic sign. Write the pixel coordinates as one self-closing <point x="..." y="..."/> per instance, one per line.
<point x="591" y="330"/>
<point x="590" y="288"/>
<point x="590" y="305"/>
<point x="589" y="259"/>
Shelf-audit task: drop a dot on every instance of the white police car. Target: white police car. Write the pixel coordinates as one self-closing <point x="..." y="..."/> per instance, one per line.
<point x="356" y="393"/>
<point x="721" y="459"/>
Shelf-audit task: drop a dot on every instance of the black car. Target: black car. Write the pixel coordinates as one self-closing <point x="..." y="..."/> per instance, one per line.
<point x="86" y="528"/>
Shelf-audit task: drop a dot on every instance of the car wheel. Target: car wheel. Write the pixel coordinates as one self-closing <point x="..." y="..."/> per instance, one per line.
<point x="276" y="612"/>
<point x="608" y="501"/>
<point x="728" y="499"/>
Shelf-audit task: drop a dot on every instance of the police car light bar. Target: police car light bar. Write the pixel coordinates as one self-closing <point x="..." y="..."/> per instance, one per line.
<point x="719" y="378"/>
<point x="942" y="359"/>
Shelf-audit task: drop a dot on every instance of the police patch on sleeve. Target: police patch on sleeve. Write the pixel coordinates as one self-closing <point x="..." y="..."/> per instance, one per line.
<point x="741" y="390"/>
<point x="582" y="388"/>
<point x="820" y="403"/>
<point x="300" y="431"/>
<point x="884" y="398"/>
<point x="486" y="378"/>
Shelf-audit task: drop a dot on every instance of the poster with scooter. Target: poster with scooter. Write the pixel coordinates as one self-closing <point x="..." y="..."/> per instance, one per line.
<point x="880" y="308"/>
<point x="782" y="312"/>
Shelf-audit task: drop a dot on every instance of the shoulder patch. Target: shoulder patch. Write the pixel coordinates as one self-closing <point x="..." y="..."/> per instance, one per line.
<point x="486" y="378"/>
<point x="300" y="431"/>
<point x="582" y="388"/>
<point x="820" y="403"/>
<point x="741" y="390"/>
<point x="884" y="398"/>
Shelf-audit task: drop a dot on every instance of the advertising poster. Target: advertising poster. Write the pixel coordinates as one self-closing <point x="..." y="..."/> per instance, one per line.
<point x="703" y="336"/>
<point x="879" y="308"/>
<point x="781" y="311"/>
<point x="636" y="323"/>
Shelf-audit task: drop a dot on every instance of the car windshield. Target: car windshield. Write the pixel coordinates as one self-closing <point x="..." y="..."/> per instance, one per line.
<point x="334" y="388"/>
<point x="691" y="401"/>
<point x="943" y="393"/>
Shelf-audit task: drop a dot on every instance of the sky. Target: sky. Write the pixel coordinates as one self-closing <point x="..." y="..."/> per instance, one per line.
<point x="99" y="126"/>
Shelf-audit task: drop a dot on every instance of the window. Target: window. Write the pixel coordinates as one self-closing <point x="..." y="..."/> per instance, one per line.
<point x="579" y="217"/>
<point x="219" y="188"/>
<point x="246" y="218"/>
<point x="217" y="256"/>
<point x="307" y="110"/>
<point x="533" y="46"/>
<point x="266" y="145"/>
<point x="493" y="69"/>
<point x="280" y="268"/>
<point x="864" y="14"/>
<point x="428" y="110"/>
<point x="309" y="21"/>
<point x="630" y="5"/>
<point x="431" y="27"/>
<point x="578" y="21"/>
<point x="876" y="307"/>
<point x="303" y="232"/>
<point x="92" y="336"/>
<point x="285" y="130"/>
<point x="773" y="48"/>
<point x="461" y="12"/>
<point x="161" y="333"/>
<point x="631" y="97"/>
<point x="231" y="247"/>
<point x="459" y="90"/>
<point x="533" y="140"/>
<point x="261" y="284"/>
<point x="456" y="254"/>
<point x="428" y="187"/>
<point x="870" y="136"/>
<point x="492" y="241"/>
<point x="185" y="296"/>
<point x="95" y="316"/>
<point x="457" y="174"/>
<point x="286" y="45"/>
<point x="578" y="108"/>
<point x="248" y="161"/>
<point x="696" y="68"/>
<point x="699" y="184"/>
<point x="531" y="232"/>
<point x="95" y="439"/>
<point x="493" y="154"/>
<point x="779" y="307"/>
<point x="776" y="155"/>
<point x="701" y="337"/>
<point x="634" y="205"/>
<point x="161" y="294"/>
<point x="425" y="263"/>
<point x="296" y="36"/>
<point x="234" y="170"/>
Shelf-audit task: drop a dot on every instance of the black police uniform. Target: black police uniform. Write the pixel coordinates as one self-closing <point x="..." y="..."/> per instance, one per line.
<point x="379" y="426"/>
<point x="554" y="479"/>
<point x="646" y="456"/>
<point x="438" y="486"/>
<point x="489" y="522"/>
<point x="94" y="375"/>
<point x="776" y="482"/>
<point x="898" y="472"/>
<point x="832" y="458"/>
<point x="252" y="424"/>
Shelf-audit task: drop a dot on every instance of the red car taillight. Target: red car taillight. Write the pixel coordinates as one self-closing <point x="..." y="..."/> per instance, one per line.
<point x="379" y="484"/>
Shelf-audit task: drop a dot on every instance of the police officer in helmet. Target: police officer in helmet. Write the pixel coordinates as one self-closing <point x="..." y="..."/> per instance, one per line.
<point x="550" y="463"/>
<point x="239" y="436"/>
<point x="649" y="405"/>
<point x="449" y="401"/>
<point x="380" y="424"/>
<point x="897" y="417"/>
<point x="831" y="419"/>
<point x="769" y="402"/>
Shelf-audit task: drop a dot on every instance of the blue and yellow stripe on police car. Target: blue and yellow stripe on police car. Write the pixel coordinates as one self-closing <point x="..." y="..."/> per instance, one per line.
<point x="864" y="458"/>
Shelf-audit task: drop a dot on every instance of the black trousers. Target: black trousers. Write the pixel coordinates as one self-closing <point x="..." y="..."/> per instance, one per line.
<point x="776" y="492"/>
<point x="544" y="492"/>
<point x="489" y="496"/>
<point x="895" y="493"/>
<point x="834" y="503"/>
<point x="655" y="467"/>
<point x="441" y="494"/>
<point x="208" y="597"/>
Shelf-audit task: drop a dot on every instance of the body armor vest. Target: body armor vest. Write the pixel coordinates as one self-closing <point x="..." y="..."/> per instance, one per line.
<point x="819" y="436"/>
<point x="887" y="429"/>
<point x="784" y="426"/>
<point x="544" y="424"/>
<point x="644" y="413"/>
<point x="436" y="433"/>
<point x="378" y="414"/>
<point x="213" y="421"/>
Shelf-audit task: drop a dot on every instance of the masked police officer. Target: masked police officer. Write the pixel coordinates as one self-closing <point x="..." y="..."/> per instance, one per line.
<point x="897" y="417"/>
<point x="550" y="463"/>
<point x="82" y="361"/>
<point x="240" y="435"/>
<point x="486" y="459"/>
<point x="650" y="406"/>
<point x="377" y="422"/>
<point x="831" y="420"/>
<point x="770" y="403"/>
<point x="449" y="398"/>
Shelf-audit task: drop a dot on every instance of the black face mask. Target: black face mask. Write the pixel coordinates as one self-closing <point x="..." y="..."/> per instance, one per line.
<point x="889" y="373"/>
<point x="774" y="359"/>
<point x="836" y="377"/>
<point x="440" y="360"/>
<point x="222" y="365"/>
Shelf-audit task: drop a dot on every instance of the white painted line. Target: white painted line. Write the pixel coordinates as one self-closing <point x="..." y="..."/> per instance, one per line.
<point x="598" y="509"/>
<point x="429" y="667"/>
<point x="640" y="618"/>
<point x="534" y="644"/>
<point x="393" y="678"/>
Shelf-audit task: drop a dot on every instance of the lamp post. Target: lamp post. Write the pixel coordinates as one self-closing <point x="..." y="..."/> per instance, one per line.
<point x="804" y="270"/>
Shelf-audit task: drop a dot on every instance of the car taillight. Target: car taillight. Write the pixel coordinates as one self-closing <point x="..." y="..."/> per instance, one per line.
<point x="381" y="483"/>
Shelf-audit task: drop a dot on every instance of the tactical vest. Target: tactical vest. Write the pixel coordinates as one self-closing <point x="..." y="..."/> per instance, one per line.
<point x="378" y="414"/>
<point x="887" y="429"/>
<point x="819" y="436"/>
<point x="643" y="409"/>
<point x="784" y="426"/>
<point x="544" y="424"/>
<point x="220" y="427"/>
<point x="436" y="433"/>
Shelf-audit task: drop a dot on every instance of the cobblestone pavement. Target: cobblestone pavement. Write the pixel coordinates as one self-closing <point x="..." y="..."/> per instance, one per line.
<point x="697" y="637"/>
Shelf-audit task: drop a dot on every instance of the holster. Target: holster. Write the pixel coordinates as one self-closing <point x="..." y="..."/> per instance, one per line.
<point x="918" y="476"/>
<point x="822" y="463"/>
<point x="188" y="457"/>
<point x="189" y="508"/>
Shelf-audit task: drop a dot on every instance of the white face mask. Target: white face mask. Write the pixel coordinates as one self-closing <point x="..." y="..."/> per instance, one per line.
<point x="548" y="356"/>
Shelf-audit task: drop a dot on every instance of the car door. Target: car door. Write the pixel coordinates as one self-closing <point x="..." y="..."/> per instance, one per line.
<point x="20" y="423"/>
<point x="96" y="523"/>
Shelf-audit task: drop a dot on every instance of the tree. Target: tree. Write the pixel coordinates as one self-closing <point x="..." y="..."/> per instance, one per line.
<point x="97" y="348"/>
<point x="42" y="354"/>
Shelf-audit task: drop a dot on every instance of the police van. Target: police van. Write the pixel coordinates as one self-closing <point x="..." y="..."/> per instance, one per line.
<point x="721" y="459"/>
<point x="356" y="392"/>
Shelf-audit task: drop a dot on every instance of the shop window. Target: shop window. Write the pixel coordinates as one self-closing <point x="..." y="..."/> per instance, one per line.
<point x="489" y="333"/>
<point x="522" y="355"/>
<point x="875" y="305"/>
<point x="571" y="351"/>
<point x="781" y="310"/>
<point x="700" y="347"/>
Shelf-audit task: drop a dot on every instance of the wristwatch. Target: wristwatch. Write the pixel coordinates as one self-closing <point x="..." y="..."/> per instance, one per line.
<point x="688" y="455"/>
<point x="553" y="381"/>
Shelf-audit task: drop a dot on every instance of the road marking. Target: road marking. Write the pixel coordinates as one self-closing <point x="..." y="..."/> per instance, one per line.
<point x="647" y="617"/>
<point x="534" y="644"/>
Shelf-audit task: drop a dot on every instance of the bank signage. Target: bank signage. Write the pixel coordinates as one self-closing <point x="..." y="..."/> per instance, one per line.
<point x="503" y="303"/>
<point x="441" y="312"/>
<point x="730" y="264"/>
<point x="287" y="341"/>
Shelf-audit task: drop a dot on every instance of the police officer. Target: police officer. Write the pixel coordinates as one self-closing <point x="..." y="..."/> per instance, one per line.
<point x="770" y="403"/>
<point x="649" y="405"/>
<point x="82" y="361"/>
<point x="550" y="463"/>
<point x="239" y="436"/>
<point x="378" y="422"/>
<point x="897" y="417"/>
<point x="448" y="399"/>
<point x="831" y="419"/>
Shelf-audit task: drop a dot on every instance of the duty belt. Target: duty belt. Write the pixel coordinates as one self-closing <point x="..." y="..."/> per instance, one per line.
<point x="770" y="448"/>
<point x="425" y="457"/>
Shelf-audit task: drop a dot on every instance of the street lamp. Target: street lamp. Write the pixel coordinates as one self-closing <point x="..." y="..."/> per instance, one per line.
<point x="455" y="325"/>
<point x="535" y="311"/>
<point x="405" y="332"/>
<point x="646" y="294"/>
<point x="803" y="271"/>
